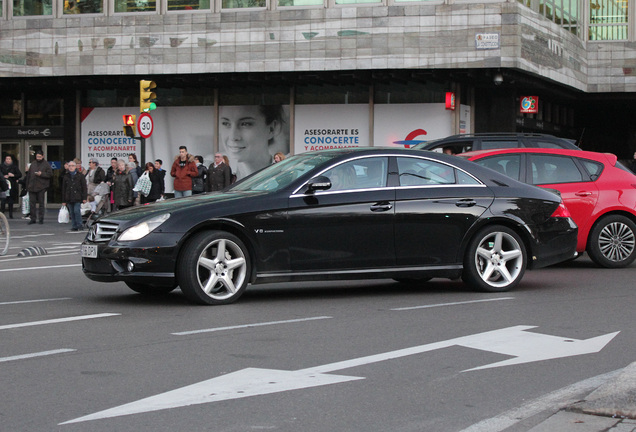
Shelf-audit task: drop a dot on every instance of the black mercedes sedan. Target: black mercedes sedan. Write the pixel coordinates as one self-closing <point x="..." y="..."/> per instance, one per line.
<point x="354" y="213"/>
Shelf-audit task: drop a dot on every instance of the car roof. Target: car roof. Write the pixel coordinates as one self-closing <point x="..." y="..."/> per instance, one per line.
<point x="608" y="158"/>
<point x="568" y="143"/>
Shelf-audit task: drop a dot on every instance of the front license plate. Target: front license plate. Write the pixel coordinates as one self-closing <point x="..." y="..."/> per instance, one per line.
<point x="89" y="251"/>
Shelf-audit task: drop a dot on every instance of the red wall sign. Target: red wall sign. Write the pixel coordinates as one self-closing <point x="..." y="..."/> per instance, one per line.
<point x="450" y="101"/>
<point x="529" y="105"/>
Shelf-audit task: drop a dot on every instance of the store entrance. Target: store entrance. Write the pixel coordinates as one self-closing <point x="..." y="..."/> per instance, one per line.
<point x="54" y="154"/>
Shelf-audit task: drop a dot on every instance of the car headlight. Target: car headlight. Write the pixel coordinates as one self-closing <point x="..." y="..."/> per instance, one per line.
<point x="144" y="228"/>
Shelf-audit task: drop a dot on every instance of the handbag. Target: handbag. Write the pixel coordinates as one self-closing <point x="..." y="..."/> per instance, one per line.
<point x="143" y="184"/>
<point x="63" y="216"/>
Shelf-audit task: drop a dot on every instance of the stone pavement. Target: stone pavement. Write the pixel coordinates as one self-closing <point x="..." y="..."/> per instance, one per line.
<point x="609" y="408"/>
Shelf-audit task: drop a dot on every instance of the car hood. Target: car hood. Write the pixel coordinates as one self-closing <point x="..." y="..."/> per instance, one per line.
<point x="223" y="200"/>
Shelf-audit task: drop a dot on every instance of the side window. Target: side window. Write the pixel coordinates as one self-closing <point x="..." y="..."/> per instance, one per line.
<point x="359" y="174"/>
<point x="422" y="172"/>
<point x="554" y="169"/>
<point x="454" y="147"/>
<point x="496" y="144"/>
<point x="594" y="169"/>
<point x="505" y="164"/>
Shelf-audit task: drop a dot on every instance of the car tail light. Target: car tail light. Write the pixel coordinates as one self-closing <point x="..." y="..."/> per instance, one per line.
<point x="561" y="211"/>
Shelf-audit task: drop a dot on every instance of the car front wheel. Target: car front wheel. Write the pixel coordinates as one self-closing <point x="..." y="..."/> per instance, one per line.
<point x="495" y="260"/>
<point x="612" y="242"/>
<point x="213" y="268"/>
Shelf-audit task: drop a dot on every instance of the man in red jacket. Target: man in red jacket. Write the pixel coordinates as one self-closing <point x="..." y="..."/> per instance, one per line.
<point x="184" y="169"/>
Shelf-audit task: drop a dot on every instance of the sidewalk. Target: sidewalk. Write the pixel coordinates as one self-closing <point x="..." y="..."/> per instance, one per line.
<point x="609" y="408"/>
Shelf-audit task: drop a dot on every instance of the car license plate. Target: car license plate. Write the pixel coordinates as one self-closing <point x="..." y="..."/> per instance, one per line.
<point x="89" y="251"/>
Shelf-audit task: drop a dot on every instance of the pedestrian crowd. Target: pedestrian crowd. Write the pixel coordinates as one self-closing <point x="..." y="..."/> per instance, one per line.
<point x="94" y="191"/>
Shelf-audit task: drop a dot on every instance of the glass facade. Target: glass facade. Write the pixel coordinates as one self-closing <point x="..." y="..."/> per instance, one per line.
<point x="608" y="20"/>
<point x="72" y="7"/>
<point x="566" y="13"/>
<point x="135" y="5"/>
<point x="32" y="7"/>
<point x="179" y="5"/>
<point x="237" y="4"/>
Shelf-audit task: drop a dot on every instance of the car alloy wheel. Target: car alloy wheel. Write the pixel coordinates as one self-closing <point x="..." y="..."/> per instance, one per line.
<point x="214" y="268"/>
<point x="613" y="242"/>
<point x="495" y="260"/>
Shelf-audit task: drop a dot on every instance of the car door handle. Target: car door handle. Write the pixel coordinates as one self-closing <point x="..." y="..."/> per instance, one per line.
<point x="583" y="193"/>
<point x="380" y="207"/>
<point x="466" y="203"/>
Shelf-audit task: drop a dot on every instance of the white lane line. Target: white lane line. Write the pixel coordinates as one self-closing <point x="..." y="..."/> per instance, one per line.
<point x="57" y="320"/>
<point x="30" y="235"/>
<point x="61" y="253"/>
<point x="34" y="301"/>
<point x="452" y="304"/>
<point x="554" y="401"/>
<point x="250" y="325"/>
<point x="37" y="354"/>
<point x="41" y="268"/>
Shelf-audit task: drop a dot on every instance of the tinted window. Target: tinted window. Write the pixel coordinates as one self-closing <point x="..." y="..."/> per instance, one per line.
<point x="548" y="144"/>
<point x="359" y="174"/>
<point x="495" y="144"/>
<point x="554" y="169"/>
<point x="420" y="172"/>
<point x="455" y="147"/>
<point x="505" y="164"/>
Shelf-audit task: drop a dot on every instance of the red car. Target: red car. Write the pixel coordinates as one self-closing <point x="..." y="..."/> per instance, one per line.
<point x="599" y="192"/>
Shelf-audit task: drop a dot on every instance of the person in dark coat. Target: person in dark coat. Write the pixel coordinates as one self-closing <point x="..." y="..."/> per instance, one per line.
<point x="122" y="187"/>
<point x="11" y="173"/>
<point x="40" y="174"/>
<point x="219" y="174"/>
<point x="74" y="194"/>
<point x="157" y="188"/>
<point x="199" y="182"/>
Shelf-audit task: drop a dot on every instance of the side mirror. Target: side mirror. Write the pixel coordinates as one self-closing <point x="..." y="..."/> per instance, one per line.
<point x="318" y="183"/>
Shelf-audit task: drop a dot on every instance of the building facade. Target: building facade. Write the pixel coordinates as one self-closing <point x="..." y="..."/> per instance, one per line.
<point x="375" y="64"/>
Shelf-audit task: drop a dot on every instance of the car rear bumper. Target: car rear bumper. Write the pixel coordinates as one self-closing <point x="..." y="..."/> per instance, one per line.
<point x="556" y="242"/>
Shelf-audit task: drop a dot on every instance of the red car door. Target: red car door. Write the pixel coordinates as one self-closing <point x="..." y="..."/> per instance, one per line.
<point x="578" y="193"/>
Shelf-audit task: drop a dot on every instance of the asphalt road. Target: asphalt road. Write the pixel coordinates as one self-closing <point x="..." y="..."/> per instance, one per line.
<point x="77" y="355"/>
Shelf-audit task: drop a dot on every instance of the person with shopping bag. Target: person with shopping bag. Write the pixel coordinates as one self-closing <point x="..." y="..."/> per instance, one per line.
<point x="74" y="194"/>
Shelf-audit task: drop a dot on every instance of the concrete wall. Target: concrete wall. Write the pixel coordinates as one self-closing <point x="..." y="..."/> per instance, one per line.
<point x="378" y="37"/>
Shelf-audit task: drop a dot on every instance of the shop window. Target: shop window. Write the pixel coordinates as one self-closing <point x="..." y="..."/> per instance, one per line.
<point x="44" y="112"/>
<point x="412" y="92"/>
<point x="72" y="7"/>
<point x="10" y="112"/>
<point x="300" y="2"/>
<point x="311" y="94"/>
<point x="135" y="5"/>
<point x="32" y="7"/>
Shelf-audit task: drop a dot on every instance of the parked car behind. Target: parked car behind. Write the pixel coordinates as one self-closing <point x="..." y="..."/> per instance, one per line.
<point x="336" y="214"/>
<point x="456" y="144"/>
<point x="599" y="192"/>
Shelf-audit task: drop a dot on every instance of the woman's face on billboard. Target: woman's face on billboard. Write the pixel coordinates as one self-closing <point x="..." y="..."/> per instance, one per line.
<point x="245" y="134"/>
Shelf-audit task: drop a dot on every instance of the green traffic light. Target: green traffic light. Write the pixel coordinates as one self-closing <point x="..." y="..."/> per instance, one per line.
<point x="151" y="107"/>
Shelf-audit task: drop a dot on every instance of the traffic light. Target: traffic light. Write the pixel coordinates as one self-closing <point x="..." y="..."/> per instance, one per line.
<point x="147" y="96"/>
<point x="130" y="129"/>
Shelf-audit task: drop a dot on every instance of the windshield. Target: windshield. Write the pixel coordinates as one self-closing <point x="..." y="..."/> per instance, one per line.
<point x="280" y="175"/>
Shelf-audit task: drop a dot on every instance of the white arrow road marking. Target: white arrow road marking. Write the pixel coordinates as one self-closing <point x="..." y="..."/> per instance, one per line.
<point x="41" y="268"/>
<point x="512" y="341"/>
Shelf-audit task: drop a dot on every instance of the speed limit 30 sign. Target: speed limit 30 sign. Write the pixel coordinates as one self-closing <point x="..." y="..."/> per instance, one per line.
<point x="145" y="125"/>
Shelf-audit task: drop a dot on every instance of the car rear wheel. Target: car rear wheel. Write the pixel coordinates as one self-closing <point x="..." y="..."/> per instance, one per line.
<point x="612" y="242"/>
<point x="213" y="268"/>
<point x="495" y="260"/>
<point x="149" y="289"/>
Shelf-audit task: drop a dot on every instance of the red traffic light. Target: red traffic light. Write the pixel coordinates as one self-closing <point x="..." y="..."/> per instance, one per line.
<point x="129" y="119"/>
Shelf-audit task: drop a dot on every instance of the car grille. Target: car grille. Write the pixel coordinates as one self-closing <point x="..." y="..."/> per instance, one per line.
<point x="102" y="232"/>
